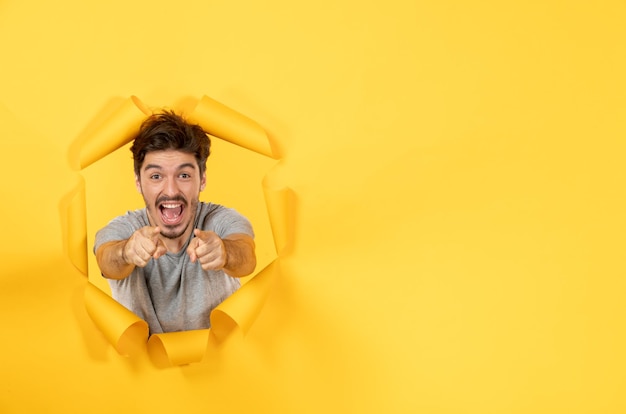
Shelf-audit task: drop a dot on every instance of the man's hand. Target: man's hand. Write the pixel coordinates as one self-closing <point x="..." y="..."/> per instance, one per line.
<point x="234" y="253"/>
<point x="118" y="258"/>
<point x="142" y="246"/>
<point x="208" y="249"/>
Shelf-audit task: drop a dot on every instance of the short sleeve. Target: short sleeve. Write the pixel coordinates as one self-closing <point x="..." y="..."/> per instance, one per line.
<point x="225" y="221"/>
<point x="120" y="228"/>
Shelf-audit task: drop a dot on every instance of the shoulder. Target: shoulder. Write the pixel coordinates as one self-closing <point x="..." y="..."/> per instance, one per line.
<point x="222" y="220"/>
<point x="122" y="227"/>
<point x="206" y="208"/>
<point x="212" y="211"/>
<point x="134" y="219"/>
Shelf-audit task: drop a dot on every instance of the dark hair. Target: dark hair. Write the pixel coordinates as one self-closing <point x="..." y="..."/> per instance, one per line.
<point x="167" y="130"/>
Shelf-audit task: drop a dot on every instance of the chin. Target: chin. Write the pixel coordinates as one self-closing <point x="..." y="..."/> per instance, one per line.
<point x="172" y="233"/>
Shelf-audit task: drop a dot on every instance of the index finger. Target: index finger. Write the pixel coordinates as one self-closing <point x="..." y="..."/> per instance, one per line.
<point x="149" y="232"/>
<point x="200" y="235"/>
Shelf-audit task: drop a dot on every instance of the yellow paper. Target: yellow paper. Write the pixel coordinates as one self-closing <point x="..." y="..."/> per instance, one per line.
<point x="122" y="328"/>
<point x="117" y="130"/>
<point x="280" y="206"/>
<point x="459" y="173"/>
<point x="242" y="308"/>
<point x="223" y="122"/>
<point x="178" y="348"/>
<point x="75" y="226"/>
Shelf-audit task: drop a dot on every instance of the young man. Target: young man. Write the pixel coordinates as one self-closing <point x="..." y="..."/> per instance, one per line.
<point x="175" y="260"/>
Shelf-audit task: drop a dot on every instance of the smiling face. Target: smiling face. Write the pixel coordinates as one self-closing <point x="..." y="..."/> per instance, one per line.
<point x="170" y="183"/>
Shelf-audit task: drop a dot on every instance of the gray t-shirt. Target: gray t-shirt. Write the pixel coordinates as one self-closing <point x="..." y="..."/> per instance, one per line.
<point x="172" y="293"/>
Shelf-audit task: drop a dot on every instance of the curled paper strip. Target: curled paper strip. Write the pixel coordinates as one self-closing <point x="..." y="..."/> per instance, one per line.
<point x="75" y="227"/>
<point x="239" y="311"/>
<point x="114" y="132"/>
<point x="122" y="328"/>
<point x="223" y="122"/>
<point x="178" y="348"/>
<point x="280" y="206"/>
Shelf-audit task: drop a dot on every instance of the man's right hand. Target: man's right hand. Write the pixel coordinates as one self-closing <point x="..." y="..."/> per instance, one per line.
<point x="143" y="245"/>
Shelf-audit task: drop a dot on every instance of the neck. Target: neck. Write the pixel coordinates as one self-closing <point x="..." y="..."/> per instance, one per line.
<point x="175" y="245"/>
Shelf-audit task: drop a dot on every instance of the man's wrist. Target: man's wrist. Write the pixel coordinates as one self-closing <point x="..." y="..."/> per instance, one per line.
<point x="123" y="254"/>
<point x="225" y="261"/>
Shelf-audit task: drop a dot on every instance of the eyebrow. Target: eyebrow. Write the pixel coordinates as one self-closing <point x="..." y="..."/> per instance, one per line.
<point x="180" y="167"/>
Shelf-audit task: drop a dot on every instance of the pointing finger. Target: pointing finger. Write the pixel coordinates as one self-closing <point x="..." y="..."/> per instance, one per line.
<point x="160" y="250"/>
<point x="191" y="249"/>
<point x="154" y="233"/>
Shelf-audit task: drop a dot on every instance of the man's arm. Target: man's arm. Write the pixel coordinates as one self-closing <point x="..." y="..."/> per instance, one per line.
<point x="235" y="253"/>
<point x="111" y="260"/>
<point x="240" y="255"/>
<point x="117" y="259"/>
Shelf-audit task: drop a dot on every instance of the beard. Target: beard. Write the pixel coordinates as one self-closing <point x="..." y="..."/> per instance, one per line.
<point x="173" y="231"/>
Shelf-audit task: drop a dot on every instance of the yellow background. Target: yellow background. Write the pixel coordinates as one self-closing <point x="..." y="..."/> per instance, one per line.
<point x="459" y="176"/>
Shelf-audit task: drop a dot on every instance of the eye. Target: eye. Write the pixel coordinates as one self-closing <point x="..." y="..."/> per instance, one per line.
<point x="185" y="176"/>
<point x="155" y="176"/>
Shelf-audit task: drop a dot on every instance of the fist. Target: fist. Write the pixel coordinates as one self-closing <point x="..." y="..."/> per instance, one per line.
<point x="143" y="245"/>
<point x="207" y="248"/>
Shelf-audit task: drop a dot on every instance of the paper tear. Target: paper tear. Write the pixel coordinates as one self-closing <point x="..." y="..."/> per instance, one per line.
<point x="123" y="329"/>
<point x="223" y="122"/>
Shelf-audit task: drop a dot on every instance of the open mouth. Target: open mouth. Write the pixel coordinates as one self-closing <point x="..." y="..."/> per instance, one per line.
<point x="171" y="213"/>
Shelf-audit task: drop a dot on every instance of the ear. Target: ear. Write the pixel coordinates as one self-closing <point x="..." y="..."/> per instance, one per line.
<point x="138" y="184"/>
<point x="203" y="181"/>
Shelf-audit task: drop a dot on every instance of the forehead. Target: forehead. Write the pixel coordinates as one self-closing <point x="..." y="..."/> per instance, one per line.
<point x="169" y="159"/>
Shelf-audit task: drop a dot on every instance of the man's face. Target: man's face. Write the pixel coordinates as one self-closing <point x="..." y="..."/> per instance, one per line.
<point x="170" y="183"/>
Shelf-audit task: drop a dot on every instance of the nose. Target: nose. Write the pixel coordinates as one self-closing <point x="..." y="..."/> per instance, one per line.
<point x="171" y="187"/>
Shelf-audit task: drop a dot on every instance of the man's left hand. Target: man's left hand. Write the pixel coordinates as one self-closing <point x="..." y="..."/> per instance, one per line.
<point x="208" y="249"/>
